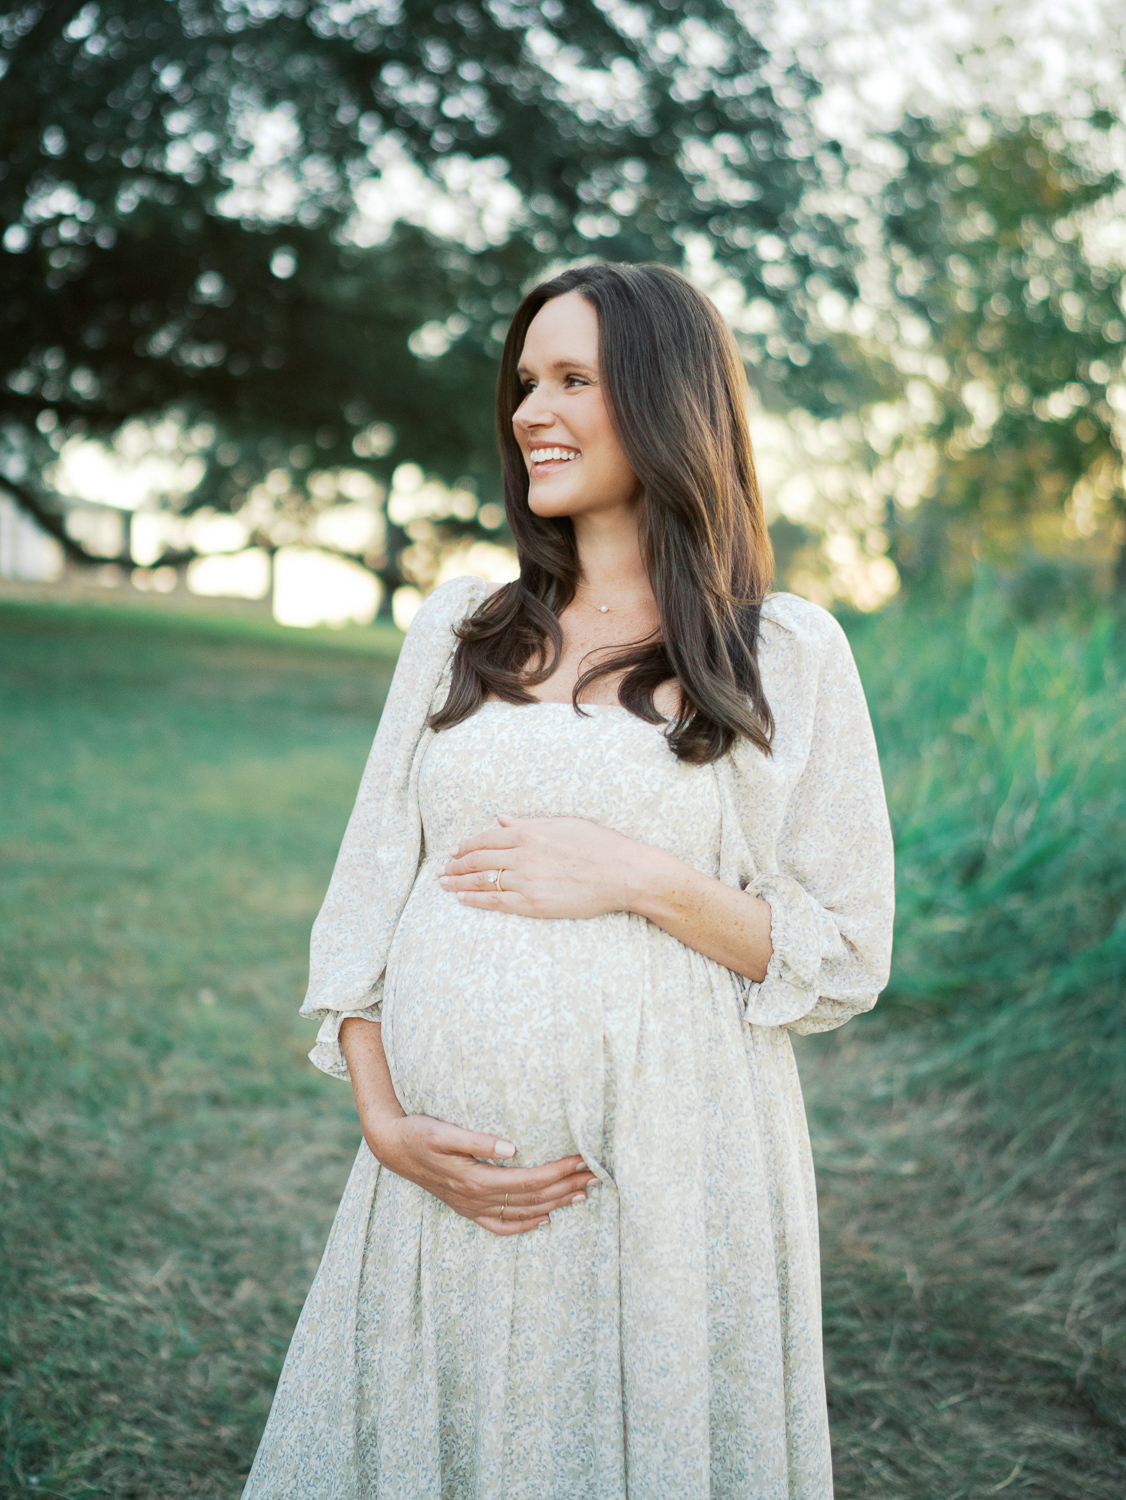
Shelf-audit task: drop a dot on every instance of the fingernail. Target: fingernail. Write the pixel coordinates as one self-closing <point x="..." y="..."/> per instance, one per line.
<point x="504" y="1148"/>
<point x="579" y="1198"/>
<point x="444" y="880"/>
<point x="544" y="1224"/>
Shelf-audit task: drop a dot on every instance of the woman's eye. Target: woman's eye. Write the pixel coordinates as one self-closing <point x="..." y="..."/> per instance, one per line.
<point x="574" y="380"/>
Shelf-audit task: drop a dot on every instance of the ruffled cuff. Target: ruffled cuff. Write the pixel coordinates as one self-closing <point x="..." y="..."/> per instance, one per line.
<point x="828" y="1014"/>
<point x="802" y="934"/>
<point x="326" y="1053"/>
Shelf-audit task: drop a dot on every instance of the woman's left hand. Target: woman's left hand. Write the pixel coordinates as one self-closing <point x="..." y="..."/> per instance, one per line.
<point x="569" y="867"/>
<point x="548" y="867"/>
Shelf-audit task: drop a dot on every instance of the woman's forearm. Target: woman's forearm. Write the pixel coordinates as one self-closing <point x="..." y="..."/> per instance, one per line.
<point x="722" y="923"/>
<point x="376" y="1103"/>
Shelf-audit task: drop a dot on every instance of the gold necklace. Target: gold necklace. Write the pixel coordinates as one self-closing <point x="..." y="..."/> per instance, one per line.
<point x="606" y="609"/>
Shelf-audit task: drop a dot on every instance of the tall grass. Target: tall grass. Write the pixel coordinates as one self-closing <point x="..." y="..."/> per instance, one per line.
<point x="970" y="1137"/>
<point x="1004" y="748"/>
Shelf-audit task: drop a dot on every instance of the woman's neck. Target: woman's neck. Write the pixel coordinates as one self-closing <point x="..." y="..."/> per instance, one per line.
<point x="609" y="549"/>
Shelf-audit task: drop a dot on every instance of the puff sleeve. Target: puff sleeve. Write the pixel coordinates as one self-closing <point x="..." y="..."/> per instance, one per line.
<point x="382" y="846"/>
<point x="829" y="879"/>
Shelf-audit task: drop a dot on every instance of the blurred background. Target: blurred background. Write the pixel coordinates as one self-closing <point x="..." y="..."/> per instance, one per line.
<point x="258" y="257"/>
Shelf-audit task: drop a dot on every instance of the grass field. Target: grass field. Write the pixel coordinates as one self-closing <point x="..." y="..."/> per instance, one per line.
<point x="173" y="795"/>
<point x="969" y="1136"/>
<point x="172" y="804"/>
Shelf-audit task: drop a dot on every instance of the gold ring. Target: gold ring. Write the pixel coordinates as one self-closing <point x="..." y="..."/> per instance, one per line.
<point x="497" y="881"/>
<point x="504" y="1205"/>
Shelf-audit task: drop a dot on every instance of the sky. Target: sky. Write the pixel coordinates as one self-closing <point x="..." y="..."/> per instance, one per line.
<point x="877" y="58"/>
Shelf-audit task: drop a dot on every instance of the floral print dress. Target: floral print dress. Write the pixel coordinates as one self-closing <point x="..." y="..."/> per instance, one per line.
<point x="661" y="1341"/>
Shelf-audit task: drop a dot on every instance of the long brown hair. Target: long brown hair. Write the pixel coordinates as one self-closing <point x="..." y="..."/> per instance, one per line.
<point x="677" y="395"/>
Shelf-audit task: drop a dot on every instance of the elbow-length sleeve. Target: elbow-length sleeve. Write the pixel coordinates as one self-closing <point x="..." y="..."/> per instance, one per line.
<point x="382" y="846"/>
<point x="830" y="880"/>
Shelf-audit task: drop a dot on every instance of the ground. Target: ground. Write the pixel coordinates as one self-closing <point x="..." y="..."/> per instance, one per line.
<point x="174" y="792"/>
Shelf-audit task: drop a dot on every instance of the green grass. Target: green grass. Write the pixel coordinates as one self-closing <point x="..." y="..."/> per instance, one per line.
<point x="192" y="622"/>
<point x="173" y="794"/>
<point x="173" y="798"/>
<point x="969" y="1137"/>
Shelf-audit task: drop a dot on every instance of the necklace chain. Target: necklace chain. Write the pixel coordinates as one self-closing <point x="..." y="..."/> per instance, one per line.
<point x="607" y="609"/>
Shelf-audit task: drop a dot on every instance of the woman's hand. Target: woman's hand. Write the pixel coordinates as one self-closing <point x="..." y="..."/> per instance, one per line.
<point x="569" y="867"/>
<point x="548" y="867"/>
<point x="446" y="1161"/>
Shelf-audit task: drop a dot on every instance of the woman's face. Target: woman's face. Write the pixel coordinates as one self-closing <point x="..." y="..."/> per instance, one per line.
<point x="576" y="465"/>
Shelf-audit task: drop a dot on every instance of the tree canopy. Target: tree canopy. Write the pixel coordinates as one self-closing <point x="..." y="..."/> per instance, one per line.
<point x="181" y="190"/>
<point x="302" y="225"/>
<point x="985" y="229"/>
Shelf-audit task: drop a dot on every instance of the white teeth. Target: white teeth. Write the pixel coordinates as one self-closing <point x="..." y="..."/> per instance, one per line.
<point x="546" y="455"/>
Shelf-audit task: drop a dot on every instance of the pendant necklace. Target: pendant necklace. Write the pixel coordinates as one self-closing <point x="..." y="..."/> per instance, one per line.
<point x="606" y="609"/>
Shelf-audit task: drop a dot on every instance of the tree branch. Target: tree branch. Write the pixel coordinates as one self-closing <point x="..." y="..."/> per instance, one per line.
<point x="51" y="522"/>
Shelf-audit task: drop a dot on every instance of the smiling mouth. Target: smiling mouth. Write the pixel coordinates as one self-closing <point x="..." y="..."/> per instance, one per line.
<point x="542" y="458"/>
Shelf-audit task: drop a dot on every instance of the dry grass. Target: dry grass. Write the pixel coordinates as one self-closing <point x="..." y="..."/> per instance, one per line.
<point x="973" y="1290"/>
<point x="150" y="1301"/>
<point x="970" y="1136"/>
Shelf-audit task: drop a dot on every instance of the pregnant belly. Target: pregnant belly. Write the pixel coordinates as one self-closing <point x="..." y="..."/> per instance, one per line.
<point x="495" y="1022"/>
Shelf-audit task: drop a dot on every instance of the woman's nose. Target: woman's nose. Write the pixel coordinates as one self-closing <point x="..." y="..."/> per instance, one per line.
<point x="531" y="412"/>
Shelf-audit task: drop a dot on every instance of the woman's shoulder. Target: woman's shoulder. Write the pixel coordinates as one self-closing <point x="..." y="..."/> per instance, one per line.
<point x="447" y="606"/>
<point x="789" y="620"/>
<point x="424" y="656"/>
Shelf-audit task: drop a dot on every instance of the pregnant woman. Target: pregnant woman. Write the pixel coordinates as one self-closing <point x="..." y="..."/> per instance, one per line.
<point x="622" y="831"/>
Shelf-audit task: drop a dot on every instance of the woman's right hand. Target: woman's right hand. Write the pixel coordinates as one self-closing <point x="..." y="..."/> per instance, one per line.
<point x="455" y="1166"/>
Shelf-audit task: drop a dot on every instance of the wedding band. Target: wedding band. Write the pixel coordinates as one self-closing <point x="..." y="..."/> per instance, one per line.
<point x="497" y="882"/>
<point x="504" y="1205"/>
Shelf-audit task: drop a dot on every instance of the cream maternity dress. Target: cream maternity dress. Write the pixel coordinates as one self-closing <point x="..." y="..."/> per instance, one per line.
<point x="663" y="1340"/>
